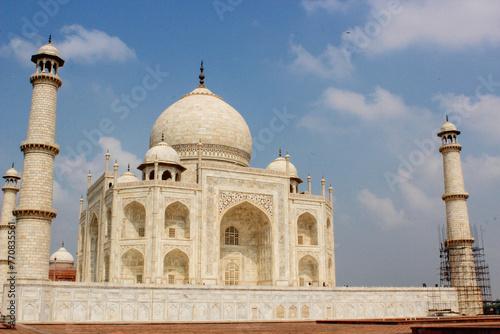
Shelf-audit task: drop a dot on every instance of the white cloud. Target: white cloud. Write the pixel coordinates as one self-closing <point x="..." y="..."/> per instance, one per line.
<point x="89" y="46"/>
<point x="382" y="208"/>
<point x="482" y="172"/>
<point x="445" y="24"/>
<point x="380" y="104"/>
<point x="79" y="45"/>
<point x="72" y="172"/>
<point x="332" y="63"/>
<point x="20" y="49"/>
<point x="331" y="6"/>
<point x="480" y="115"/>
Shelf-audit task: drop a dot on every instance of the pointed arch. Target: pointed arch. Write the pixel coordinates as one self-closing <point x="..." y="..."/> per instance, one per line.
<point x="166" y="175"/>
<point x="308" y="271"/>
<point x="177" y="221"/>
<point x="106" y="267"/>
<point x="307" y="229"/>
<point x="176" y="267"/>
<point x="253" y="247"/>
<point x="132" y="266"/>
<point x="108" y="222"/>
<point x="134" y="223"/>
<point x="94" y="243"/>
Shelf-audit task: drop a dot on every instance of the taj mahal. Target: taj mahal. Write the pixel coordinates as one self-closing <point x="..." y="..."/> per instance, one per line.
<point x="201" y="236"/>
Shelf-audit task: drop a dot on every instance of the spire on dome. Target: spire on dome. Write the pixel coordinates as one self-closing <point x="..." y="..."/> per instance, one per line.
<point x="201" y="76"/>
<point x="128" y="168"/>
<point x="446" y="118"/>
<point x="63" y="243"/>
<point x="12" y="165"/>
<point x="280" y="152"/>
<point x="50" y="38"/>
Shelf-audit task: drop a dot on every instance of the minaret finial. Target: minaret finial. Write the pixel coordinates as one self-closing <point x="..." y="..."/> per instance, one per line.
<point x="50" y="38"/>
<point x="12" y="165"/>
<point x="162" y="136"/>
<point x="128" y="168"/>
<point x="202" y="76"/>
<point x="63" y="244"/>
<point x="446" y="118"/>
<point x="280" y="151"/>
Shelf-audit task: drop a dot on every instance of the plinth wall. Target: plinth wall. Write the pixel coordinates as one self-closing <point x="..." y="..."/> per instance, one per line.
<point x="90" y="302"/>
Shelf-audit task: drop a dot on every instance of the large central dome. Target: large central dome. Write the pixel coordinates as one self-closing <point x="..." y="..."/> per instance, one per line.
<point x="204" y="116"/>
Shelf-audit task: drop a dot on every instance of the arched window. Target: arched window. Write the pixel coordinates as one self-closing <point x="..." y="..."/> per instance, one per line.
<point x="108" y="223"/>
<point x="231" y="236"/>
<point x="166" y="175"/>
<point x="152" y="175"/>
<point x="106" y="268"/>
<point x="177" y="177"/>
<point x="48" y="66"/>
<point x="232" y="274"/>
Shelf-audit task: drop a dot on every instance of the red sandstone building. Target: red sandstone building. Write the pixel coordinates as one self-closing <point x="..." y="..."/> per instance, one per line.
<point x="62" y="266"/>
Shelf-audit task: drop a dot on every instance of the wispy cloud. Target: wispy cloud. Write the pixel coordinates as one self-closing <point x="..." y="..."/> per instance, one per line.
<point x="481" y="114"/>
<point x="89" y="46"/>
<point x="333" y="63"/>
<point x="379" y="104"/>
<point x="331" y="6"/>
<point x="446" y="24"/>
<point x="382" y="208"/>
<point x="78" y="44"/>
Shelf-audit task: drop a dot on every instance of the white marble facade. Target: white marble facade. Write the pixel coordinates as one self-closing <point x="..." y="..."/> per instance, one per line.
<point x="83" y="302"/>
<point x="237" y="226"/>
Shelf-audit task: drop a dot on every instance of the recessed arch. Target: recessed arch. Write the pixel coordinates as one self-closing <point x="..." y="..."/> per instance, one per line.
<point x="94" y="242"/>
<point x="308" y="271"/>
<point x="254" y="247"/>
<point x="177" y="221"/>
<point x="176" y="267"/>
<point x="307" y="229"/>
<point x="134" y="222"/>
<point x="132" y="266"/>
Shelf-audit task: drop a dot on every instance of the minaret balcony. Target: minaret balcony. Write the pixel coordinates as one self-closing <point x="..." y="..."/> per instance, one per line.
<point x="446" y="197"/>
<point x="450" y="147"/>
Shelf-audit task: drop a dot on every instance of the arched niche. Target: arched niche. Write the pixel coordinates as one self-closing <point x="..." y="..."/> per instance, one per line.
<point x="134" y="222"/>
<point x="176" y="267"/>
<point x="308" y="271"/>
<point x="253" y="250"/>
<point x="132" y="266"/>
<point x="177" y="222"/>
<point x="307" y="229"/>
<point x="94" y="242"/>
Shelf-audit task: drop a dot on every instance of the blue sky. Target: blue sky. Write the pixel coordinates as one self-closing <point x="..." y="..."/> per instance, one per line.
<point x="365" y="86"/>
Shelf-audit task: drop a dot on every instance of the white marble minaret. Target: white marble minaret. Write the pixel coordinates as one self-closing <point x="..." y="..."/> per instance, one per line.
<point x="459" y="241"/>
<point x="34" y="212"/>
<point x="10" y="191"/>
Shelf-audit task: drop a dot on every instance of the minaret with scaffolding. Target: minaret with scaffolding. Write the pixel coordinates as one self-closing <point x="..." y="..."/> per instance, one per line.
<point x="458" y="242"/>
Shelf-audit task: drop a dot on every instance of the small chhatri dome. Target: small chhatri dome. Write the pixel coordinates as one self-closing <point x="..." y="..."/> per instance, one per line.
<point x="62" y="256"/>
<point x="127" y="177"/>
<point x="163" y="153"/>
<point x="279" y="165"/>
<point x="448" y="127"/>
<point x="48" y="51"/>
<point x="11" y="173"/>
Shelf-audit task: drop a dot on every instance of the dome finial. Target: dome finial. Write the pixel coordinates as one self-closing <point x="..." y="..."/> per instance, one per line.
<point x="446" y="118"/>
<point x="50" y="38"/>
<point x="202" y="76"/>
<point x="162" y="136"/>
<point x="128" y="168"/>
<point x="280" y="151"/>
<point x="63" y="243"/>
<point x="12" y="165"/>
